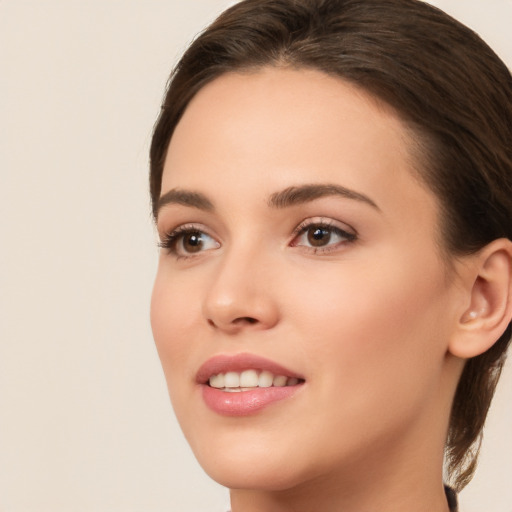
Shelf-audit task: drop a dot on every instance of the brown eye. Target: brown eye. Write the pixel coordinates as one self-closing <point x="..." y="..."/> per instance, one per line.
<point x="318" y="236"/>
<point x="184" y="242"/>
<point x="192" y="242"/>
<point x="322" y="237"/>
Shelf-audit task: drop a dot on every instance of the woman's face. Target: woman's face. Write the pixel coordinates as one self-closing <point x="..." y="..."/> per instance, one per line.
<point x="300" y="246"/>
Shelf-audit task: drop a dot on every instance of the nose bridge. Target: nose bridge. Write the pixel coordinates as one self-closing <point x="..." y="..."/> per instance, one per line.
<point x="240" y="293"/>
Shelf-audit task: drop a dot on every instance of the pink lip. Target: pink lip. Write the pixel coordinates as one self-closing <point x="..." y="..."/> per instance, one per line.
<point x="238" y="363"/>
<point x="243" y="403"/>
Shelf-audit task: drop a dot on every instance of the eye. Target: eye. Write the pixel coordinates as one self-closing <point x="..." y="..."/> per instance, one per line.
<point x="321" y="236"/>
<point x="186" y="241"/>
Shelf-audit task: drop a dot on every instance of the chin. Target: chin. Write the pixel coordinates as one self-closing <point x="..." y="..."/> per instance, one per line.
<point x="274" y="477"/>
<point x="243" y="464"/>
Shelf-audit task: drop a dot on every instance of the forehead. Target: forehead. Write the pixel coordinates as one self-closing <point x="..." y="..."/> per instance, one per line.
<point x="268" y="129"/>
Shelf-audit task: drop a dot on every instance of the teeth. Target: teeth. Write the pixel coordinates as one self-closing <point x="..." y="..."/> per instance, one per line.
<point x="265" y="380"/>
<point x="280" y="380"/>
<point x="217" y="381"/>
<point x="249" y="379"/>
<point x="232" y="380"/>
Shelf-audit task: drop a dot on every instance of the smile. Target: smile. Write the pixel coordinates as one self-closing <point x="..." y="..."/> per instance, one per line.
<point x="244" y="384"/>
<point x="249" y="380"/>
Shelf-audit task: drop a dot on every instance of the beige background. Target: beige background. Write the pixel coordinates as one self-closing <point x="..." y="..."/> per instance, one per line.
<point x="85" y="423"/>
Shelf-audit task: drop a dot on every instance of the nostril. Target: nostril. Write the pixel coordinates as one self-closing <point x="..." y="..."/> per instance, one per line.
<point x="233" y="325"/>
<point x="237" y="321"/>
<point x="245" y="320"/>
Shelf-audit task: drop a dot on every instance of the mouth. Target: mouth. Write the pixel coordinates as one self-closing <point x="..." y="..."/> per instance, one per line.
<point x="251" y="379"/>
<point x="243" y="384"/>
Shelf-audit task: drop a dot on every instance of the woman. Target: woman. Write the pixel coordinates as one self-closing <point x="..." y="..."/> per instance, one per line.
<point x="331" y="181"/>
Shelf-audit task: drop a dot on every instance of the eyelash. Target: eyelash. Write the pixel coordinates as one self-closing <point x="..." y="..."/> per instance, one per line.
<point x="171" y="239"/>
<point x="327" y="225"/>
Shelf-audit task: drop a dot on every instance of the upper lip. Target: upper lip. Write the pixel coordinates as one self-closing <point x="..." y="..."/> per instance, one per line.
<point x="223" y="363"/>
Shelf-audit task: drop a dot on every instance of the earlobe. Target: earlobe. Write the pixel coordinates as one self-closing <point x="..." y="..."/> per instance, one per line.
<point x="490" y="302"/>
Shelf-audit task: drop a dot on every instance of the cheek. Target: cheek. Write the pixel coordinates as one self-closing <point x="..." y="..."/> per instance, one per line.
<point x="375" y="352"/>
<point x="172" y="324"/>
<point x="383" y="331"/>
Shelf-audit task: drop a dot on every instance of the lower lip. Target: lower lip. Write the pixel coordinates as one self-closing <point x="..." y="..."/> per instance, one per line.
<point x="245" y="403"/>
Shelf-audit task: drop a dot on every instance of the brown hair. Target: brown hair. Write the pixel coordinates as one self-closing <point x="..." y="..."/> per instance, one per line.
<point x="445" y="83"/>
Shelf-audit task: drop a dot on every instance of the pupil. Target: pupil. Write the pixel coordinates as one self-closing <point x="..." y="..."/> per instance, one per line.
<point x="193" y="242"/>
<point x="319" y="236"/>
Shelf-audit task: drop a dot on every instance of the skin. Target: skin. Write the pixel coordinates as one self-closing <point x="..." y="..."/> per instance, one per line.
<point x="368" y="322"/>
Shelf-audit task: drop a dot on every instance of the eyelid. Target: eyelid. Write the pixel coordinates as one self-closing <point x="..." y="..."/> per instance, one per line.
<point x="181" y="228"/>
<point x="325" y="222"/>
<point x="342" y="229"/>
<point x="169" y="239"/>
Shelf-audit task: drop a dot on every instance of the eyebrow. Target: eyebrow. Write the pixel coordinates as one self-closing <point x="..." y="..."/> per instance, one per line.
<point x="185" y="198"/>
<point x="292" y="196"/>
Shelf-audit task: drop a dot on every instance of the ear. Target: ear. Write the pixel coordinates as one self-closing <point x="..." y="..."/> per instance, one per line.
<point x="490" y="300"/>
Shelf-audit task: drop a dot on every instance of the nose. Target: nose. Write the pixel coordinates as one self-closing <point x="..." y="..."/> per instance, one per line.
<point x="240" y="295"/>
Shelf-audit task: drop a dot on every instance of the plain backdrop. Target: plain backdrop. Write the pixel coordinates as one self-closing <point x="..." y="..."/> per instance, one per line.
<point x="85" y="422"/>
